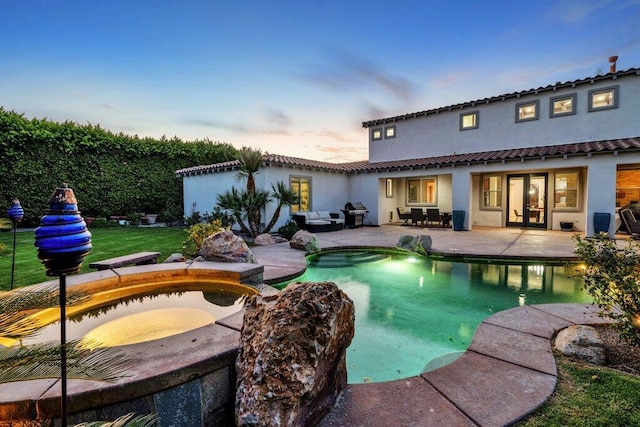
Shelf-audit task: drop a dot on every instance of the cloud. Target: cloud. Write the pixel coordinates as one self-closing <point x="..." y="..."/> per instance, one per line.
<point x="342" y="71"/>
<point x="208" y="123"/>
<point x="276" y="116"/>
<point x="342" y="153"/>
<point x="577" y="11"/>
<point x="449" y="79"/>
<point x="238" y="128"/>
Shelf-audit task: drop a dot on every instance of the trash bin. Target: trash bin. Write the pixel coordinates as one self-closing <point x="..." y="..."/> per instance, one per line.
<point x="601" y="222"/>
<point x="458" y="220"/>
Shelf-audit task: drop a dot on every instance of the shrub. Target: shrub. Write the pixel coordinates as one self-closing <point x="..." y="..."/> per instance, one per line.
<point x="288" y="230"/>
<point x="612" y="276"/>
<point x="193" y="219"/>
<point x="103" y="223"/>
<point x="225" y="218"/>
<point x="171" y="215"/>
<point x="3" y="249"/>
<point x="197" y="233"/>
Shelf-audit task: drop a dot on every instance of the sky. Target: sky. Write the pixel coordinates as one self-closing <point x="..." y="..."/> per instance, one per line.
<point x="296" y="77"/>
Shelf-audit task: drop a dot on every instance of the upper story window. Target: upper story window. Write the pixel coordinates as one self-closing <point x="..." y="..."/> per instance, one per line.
<point x="491" y="191"/>
<point x="422" y="191"/>
<point x="526" y="111"/>
<point x="603" y="99"/>
<point x="376" y="134"/>
<point x="301" y="186"/>
<point x="564" y="105"/>
<point x="389" y="132"/>
<point x="566" y="189"/>
<point x="469" y="120"/>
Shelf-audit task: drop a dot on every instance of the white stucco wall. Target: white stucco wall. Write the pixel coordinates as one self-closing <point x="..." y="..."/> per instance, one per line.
<point x="200" y="190"/>
<point x="439" y="134"/>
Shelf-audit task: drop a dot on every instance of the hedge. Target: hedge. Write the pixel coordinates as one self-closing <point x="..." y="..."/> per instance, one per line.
<point x="111" y="174"/>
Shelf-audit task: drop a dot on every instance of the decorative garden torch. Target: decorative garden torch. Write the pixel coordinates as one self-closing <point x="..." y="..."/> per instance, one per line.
<point x="63" y="241"/>
<point x="15" y="213"/>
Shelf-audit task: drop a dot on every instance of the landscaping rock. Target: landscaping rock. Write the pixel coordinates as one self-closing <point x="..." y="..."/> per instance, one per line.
<point x="583" y="342"/>
<point x="264" y="239"/>
<point x="305" y="241"/>
<point x="291" y="365"/>
<point x="419" y="244"/>
<point x="226" y="247"/>
<point x="175" y="258"/>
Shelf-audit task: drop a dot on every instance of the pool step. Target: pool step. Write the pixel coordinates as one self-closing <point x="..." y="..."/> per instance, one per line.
<point x="345" y="259"/>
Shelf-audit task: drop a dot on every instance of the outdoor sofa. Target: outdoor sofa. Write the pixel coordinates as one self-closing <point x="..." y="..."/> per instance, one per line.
<point x="318" y="221"/>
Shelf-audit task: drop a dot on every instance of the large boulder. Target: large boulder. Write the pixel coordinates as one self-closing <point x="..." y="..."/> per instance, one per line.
<point x="291" y="365"/>
<point x="305" y="241"/>
<point x="226" y="247"/>
<point x="264" y="239"/>
<point x="583" y="342"/>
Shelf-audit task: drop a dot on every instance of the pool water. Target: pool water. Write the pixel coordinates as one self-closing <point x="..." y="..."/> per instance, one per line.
<point x="415" y="314"/>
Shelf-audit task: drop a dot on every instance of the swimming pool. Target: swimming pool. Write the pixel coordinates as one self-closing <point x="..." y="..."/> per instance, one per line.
<point x="415" y="314"/>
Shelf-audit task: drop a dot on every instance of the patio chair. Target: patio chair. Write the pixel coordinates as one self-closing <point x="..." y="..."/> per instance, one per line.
<point x="434" y="215"/>
<point x="630" y="221"/>
<point x="417" y="216"/>
<point x="406" y="216"/>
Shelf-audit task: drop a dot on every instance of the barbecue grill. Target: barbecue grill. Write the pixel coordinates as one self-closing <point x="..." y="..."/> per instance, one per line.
<point x="354" y="214"/>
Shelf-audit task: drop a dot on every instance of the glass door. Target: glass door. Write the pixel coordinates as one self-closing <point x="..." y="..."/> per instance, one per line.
<point x="527" y="200"/>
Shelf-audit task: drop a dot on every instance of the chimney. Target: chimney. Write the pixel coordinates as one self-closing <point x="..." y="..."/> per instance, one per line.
<point x="612" y="64"/>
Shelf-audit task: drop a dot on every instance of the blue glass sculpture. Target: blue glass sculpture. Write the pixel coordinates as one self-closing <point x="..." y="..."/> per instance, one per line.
<point x="15" y="212"/>
<point x="62" y="238"/>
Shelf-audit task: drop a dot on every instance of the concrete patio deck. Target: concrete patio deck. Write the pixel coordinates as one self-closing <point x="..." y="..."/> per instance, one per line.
<point x="507" y="371"/>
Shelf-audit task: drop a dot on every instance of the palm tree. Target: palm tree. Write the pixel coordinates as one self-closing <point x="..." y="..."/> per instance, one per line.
<point x="285" y="197"/>
<point x="252" y="204"/>
<point x="250" y="162"/>
<point x="233" y="200"/>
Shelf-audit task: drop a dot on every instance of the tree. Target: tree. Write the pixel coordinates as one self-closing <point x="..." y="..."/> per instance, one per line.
<point x="285" y="197"/>
<point x="232" y="200"/>
<point x="250" y="163"/>
<point x="612" y="276"/>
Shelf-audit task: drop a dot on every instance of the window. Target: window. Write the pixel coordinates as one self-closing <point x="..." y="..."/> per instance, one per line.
<point x="526" y="111"/>
<point x="562" y="105"/>
<point x="376" y="134"/>
<point x="389" y="132"/>
<point x="566" y="189"/>
<point x="421" y="191"/>
<point x="603" y="99"/>
<point x="469" y="120"/>
<point x="491" y="191"/>
<point x="301" y="186"/>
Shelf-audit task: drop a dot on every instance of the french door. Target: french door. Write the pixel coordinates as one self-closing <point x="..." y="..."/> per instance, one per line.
<point x="527" y="200"/>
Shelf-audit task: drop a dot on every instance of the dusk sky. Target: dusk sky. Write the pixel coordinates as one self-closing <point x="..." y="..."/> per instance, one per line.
<point x="295" y="78"/>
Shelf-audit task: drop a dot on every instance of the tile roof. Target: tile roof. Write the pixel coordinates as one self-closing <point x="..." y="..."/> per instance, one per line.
<point x="533" y="91"/>
<point x="514" y="154"/>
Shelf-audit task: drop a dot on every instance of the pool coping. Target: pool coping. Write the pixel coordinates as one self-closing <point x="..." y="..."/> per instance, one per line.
<point x="508" y="370"/>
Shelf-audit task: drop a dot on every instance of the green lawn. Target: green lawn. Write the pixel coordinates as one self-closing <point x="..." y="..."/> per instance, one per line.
<point x="107" y="243"/>
<point x="589" y="396"/>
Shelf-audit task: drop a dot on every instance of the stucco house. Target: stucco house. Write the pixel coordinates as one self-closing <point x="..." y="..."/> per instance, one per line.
<point x="534" y="158"/>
